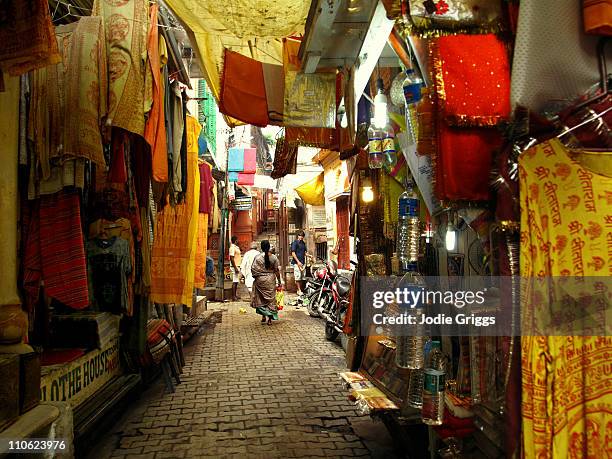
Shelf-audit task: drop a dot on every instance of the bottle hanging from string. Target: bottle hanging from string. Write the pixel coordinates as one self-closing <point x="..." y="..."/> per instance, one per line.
<point x="432" y="411"/>
<point x="413" y="85"/>
<point x="408" y="229"/>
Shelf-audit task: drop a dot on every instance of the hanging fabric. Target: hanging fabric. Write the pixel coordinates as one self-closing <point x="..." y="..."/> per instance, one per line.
<point x="235" y="162"/>
<point x="55" y="251"/>
<point x="463" y="159"/>
<point x="155" y="128"/>
<point x="126" y="38"/>
<point x="472" y="79"/>
<point x="245" y="179"/>
<point x="566" y="397"/>
<point x="250" y="161"/>
<point x="243" y="90"/>
<point x="313" y="191"/>
<point x="27" y="37"/>
<point x="597" y="16"/>
<point x="175" y="242"/>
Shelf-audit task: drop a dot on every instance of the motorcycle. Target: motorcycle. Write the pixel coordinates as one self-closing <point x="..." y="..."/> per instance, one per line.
<point x="336" y="317"/>
<point x="319" y="297"/>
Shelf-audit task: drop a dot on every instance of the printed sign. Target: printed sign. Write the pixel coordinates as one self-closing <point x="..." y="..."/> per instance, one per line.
<point x="77" y="381"/>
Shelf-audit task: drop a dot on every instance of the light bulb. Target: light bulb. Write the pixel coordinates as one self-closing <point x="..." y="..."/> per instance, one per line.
<point x="380" y="110"/>
<point x="451" y="237"/>
<point x="344" y="121"/>
<point x="367" y="195"/>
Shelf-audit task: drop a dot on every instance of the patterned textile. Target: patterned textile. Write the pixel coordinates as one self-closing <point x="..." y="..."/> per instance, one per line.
<point x="565" y="228"/>
<point x="126" y="26"/>
<point x="69" y="104"/>
<point x="200" y="261"/>
<point x="55" y="251"/>
<point x="597" y="16"/>
<point x="27" y="36"/>
<point x="175" y="243"/>
<point x="86" y="85"/>
<point x="285" y="158"/>
<point x="155" y="129"/>
<point x="159" y="336"/>
<point x="472" y="78"/>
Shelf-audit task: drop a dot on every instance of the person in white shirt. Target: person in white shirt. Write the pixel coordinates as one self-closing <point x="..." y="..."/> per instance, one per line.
<point x="245" y="267"/>
<point x="235" y="261"/>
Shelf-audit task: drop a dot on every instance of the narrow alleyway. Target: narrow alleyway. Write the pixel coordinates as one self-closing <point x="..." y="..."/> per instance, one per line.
<point x="248" y="390"/>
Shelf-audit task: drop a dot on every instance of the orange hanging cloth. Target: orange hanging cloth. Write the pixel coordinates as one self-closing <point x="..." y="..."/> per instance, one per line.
<point x="243" y="90"/>
<point x="155" y="129"/>
<point x="597" y="17"/>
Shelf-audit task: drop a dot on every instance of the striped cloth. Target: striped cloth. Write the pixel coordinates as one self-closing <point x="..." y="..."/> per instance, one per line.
<point x="55" y="251"/>
<point x="159" y="336"/>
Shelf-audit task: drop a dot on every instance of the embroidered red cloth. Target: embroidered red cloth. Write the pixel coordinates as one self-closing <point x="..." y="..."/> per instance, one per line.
<point x="472" y="78"/>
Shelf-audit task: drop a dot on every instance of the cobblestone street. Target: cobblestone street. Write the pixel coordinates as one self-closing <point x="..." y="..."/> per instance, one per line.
<point x="247" y="390"/>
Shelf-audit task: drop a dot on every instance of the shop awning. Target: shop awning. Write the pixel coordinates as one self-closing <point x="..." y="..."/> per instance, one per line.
<point x="253" y="28"/>
<point x="313" y="191"/>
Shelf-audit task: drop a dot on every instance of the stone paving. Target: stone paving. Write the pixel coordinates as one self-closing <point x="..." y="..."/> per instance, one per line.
<point x="247" y="390"/>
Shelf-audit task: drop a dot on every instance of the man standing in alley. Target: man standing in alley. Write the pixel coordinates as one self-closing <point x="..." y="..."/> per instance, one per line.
<point x="298" y="260"/>
<point x="247" y="263"/>
<point x="235" y="261"/>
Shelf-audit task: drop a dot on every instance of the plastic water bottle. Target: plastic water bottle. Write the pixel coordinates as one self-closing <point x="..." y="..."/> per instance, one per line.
<point x="389" y="153"/>
<point x="432" y="411"/>
<point x="375" y="147"/>
<point x="415" y="388"/>
<point x="408" y="230"/>
<point x="412" y="85"/>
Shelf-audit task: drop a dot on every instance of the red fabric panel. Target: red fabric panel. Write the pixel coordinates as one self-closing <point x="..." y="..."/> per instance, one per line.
<point x="62" y="249"/>
<point x="243" y="90"/>
<point x="472" y="76"/>
<point x="250" y="161"/>
<point x="206" y="189"/>
<point x="463" y="163"/>
<point x="246" y="179"/>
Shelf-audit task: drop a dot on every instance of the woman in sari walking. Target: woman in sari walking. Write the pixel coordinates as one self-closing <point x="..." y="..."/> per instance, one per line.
<point x="266" y="272"/>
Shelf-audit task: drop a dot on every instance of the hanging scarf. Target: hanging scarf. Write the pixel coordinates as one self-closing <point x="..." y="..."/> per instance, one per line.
<point x="472" y="79"/>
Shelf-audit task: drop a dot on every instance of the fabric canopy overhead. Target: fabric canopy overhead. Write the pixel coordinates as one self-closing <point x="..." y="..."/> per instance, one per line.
<point x="313" y="191"/>
<point x="254" y="28"/>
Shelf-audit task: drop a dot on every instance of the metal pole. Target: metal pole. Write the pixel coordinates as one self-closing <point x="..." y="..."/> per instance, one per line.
<point x="220" y="288"/>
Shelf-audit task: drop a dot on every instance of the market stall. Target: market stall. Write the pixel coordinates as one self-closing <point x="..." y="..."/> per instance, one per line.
<point x="484" y="164"/>
<point x="107" y="203"/>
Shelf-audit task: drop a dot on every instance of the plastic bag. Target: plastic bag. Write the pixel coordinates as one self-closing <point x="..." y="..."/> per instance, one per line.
<point x="280" y="299"/>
